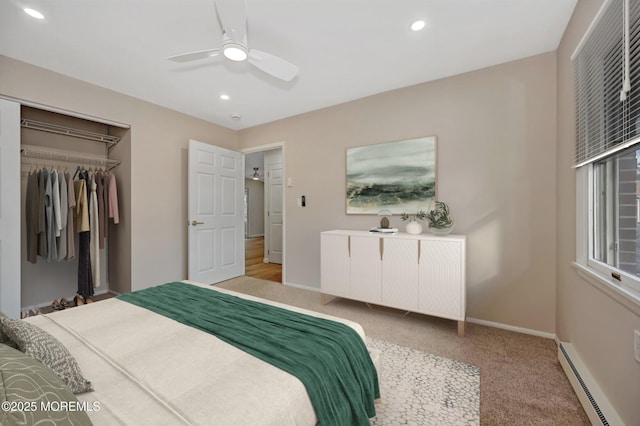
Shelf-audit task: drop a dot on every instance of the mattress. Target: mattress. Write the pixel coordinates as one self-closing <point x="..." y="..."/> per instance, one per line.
<point x="148" y="369"/>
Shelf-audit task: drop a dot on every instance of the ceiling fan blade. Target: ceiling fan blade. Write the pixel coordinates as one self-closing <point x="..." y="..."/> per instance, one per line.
<point x="233" y="18"/>
<point x="273" y="65"/>
<point x="193" y="56"/>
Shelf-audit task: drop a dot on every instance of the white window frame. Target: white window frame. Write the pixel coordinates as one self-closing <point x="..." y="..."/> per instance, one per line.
<point x="601" y="275"/>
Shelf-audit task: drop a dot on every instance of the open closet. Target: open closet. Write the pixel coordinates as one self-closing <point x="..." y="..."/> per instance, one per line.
<point x="63" y="265"/>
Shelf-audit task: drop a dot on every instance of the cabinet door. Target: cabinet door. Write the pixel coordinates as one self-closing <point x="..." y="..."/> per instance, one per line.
<point x="366" y="269"/>
<point x="442" y="278"/>
<point x="334" y="252"/>
<point x="400" y="274"/>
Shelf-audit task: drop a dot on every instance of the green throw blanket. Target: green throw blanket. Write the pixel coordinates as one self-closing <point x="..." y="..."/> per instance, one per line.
<point x="328" y="357"/>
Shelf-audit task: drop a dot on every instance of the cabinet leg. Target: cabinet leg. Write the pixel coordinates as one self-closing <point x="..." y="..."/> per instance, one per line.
<point x="460" y="328"/>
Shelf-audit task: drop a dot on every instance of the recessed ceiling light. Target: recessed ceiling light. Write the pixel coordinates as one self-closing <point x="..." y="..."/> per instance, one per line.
<point x="33" y="13"/>
<point x="224" y="97"/>
<point x="418" y="25"/>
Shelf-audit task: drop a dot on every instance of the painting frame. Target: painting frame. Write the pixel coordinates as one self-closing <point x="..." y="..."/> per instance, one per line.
<point x="399" y="176"/>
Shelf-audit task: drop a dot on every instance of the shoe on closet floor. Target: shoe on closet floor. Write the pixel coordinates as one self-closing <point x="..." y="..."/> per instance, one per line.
<point x="64" y="303"/>
<point x="79" y="301"/>
<point x="56" y="305"/>
<point x="88" y="299"/>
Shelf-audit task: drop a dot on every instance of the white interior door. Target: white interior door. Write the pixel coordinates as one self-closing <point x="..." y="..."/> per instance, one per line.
<point x="216" y="213"/>
<point x="10" y="208"/>
<point x="275" y="188"/>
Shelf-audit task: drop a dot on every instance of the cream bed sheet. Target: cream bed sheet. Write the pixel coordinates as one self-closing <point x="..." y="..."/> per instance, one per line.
<point x="147" y="369"/>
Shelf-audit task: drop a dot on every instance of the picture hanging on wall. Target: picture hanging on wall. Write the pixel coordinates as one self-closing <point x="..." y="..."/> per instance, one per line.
<point x="396" y="176"/>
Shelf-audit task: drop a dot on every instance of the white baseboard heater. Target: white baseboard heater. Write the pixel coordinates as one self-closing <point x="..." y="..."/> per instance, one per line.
<point x="595" y="403"/>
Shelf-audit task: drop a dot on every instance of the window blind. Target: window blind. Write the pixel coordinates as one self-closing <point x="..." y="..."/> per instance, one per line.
<point x="608" y="120"/>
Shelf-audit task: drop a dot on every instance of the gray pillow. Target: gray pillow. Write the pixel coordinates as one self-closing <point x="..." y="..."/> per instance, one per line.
<point x="4" y="339"/>
<point x="31" y="394"/>
<point x="42" y="346"/>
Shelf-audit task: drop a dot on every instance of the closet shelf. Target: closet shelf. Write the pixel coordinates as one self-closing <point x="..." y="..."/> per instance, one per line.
<point x="35" y="152"/>
<point x="68" y="131"/>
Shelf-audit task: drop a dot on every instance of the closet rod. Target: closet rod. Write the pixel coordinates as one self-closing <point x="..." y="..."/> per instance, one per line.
<point x="68" y="131"/>
<point x="28" y="151"/>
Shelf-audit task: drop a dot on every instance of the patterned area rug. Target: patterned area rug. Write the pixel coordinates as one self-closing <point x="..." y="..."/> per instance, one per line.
<point x="418" y="388"/>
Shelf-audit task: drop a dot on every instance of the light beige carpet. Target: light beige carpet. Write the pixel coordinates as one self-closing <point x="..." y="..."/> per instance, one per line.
<point x="521" y="381"/>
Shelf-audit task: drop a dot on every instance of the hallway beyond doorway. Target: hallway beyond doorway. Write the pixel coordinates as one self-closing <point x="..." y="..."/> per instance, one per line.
<point x="254" y="263"/>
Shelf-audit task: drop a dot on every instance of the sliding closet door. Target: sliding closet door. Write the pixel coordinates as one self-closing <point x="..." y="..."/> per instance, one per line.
<point x="10" y="208"/>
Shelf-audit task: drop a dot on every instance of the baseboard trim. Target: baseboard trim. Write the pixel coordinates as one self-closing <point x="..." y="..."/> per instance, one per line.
<point x="300" y="286"/>
<point x="529" y="331"/>
<point x="593" y="400"/>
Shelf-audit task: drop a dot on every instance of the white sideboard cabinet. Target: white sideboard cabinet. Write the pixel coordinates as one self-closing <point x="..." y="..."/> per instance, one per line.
<point x="417" y="273"/>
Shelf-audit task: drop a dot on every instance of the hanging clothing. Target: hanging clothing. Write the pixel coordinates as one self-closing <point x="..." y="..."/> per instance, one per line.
<point x="82" y="206"/>
<point x="99" y="178"/>
<point x="71" y="204"/>
<point x="55" y="194"/>
<point x="41" y="216"/>
<point x="32" y="211"/>
<point x="113" y="199"/>
<point x="49" y="216"/>
<point x="85" y="278"/>
<point x="95" y="234"/>
<point x="61" y="241"/>
<point x="57" y="207"/>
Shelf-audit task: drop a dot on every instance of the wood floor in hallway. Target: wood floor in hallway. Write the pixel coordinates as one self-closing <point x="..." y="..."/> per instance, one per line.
<point x="254" y="261"/>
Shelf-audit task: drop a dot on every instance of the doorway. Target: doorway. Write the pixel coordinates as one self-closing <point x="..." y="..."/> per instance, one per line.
<point x="264" y="239"/>
<point x="254" y="261"/>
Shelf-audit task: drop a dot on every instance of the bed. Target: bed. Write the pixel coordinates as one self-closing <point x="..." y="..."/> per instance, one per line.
<point x="150" y="365"/>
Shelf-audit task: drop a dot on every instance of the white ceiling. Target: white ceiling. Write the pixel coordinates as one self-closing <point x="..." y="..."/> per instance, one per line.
<point x="345" y="49"/>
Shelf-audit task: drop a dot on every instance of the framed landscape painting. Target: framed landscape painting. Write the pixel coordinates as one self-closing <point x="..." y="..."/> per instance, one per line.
<point x="395" y="176"/>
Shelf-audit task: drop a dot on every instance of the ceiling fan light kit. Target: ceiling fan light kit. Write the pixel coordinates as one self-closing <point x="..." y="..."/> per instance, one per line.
<point x="234" y="52"/>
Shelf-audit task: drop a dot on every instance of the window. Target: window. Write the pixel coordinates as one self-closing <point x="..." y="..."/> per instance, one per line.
<point x="607" y="74"/>
<point x="615" y="224"/>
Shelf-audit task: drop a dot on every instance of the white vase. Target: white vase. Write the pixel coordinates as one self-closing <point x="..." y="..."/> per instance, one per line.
<point x="413" y="227"/>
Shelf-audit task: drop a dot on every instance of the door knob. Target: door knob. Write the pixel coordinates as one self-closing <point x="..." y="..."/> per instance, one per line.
<point x="195" y="222"/>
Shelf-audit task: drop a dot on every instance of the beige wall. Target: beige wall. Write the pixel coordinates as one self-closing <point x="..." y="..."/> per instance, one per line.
<point x="496" y="167"/>
<point x="155" y="207"/>
<point x="600" y="329"/>
<point x="256" y="207"/>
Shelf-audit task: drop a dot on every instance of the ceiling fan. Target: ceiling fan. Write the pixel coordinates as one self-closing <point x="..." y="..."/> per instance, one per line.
<point x="233" y="20"/>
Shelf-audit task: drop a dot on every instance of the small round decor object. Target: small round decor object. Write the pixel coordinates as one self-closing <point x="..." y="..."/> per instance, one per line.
<point x="384" y="222"/>
<point x="413" y="227"/>
<point x="385" y="216"/>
